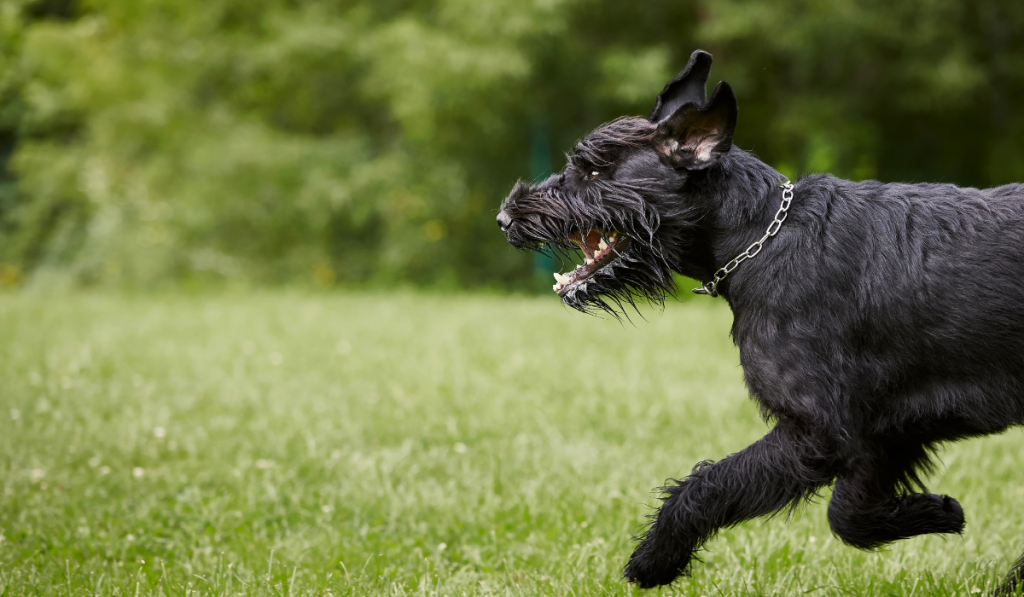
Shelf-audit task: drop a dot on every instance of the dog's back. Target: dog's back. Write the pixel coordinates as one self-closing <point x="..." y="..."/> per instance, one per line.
<point x="907" y="296"/>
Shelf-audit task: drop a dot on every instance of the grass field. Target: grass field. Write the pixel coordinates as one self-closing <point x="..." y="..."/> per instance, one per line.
<point x="285" y="444"/>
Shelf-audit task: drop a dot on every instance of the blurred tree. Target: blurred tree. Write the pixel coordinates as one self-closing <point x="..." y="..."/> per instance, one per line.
<point x="316" y="141"/>
<point x="908" y="91"/>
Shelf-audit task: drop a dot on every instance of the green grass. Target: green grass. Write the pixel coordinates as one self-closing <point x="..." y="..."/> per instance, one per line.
<point x="284" y="444"/>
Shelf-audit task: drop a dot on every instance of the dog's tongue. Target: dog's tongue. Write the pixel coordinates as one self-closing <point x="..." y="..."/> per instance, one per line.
<point x="597" y="251"/>
<point x="590" y="244"/>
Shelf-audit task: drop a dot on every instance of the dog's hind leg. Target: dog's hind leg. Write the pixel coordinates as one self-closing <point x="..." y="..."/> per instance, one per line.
<point x="775" y="471"/>
<point x="1014" y="583"/>
<point x="868" y="508"/>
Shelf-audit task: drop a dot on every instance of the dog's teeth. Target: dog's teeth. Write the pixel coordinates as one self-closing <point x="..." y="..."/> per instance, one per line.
<point x="561" y="278"/>
<point x="589" y="260"/>
<point x="602" y="245"/>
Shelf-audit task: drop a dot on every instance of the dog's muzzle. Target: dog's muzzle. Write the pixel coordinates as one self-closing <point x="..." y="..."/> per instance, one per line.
<point x="504" y="221"/>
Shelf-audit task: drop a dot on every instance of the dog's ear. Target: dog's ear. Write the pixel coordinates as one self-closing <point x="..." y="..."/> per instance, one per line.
<point x="696" y="137"/>
<point x="687" y="88"/>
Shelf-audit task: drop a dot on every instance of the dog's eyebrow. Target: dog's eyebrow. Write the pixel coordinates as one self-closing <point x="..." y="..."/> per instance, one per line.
<point x="601" y="147"/>
<point x="590" y="154"/>
<point x="584" y="157"/>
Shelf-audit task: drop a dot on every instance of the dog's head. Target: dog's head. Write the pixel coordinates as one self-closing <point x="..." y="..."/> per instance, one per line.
<point x="623" y="200"/>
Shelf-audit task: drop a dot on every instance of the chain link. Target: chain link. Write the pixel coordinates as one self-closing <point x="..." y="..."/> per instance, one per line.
<point x="711" y="288"/>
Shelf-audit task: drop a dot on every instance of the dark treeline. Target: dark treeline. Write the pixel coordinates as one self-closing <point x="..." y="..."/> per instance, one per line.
<point x="147" y="142"/>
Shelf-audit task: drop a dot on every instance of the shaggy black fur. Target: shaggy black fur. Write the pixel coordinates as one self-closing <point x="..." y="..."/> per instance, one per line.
<point x="881" y="321"/>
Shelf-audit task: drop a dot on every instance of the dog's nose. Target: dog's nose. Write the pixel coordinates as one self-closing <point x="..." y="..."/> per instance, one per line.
<point x="504" y="221"/>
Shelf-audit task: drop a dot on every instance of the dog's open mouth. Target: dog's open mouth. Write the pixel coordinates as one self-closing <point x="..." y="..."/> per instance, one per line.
<point x="599" y="249"/>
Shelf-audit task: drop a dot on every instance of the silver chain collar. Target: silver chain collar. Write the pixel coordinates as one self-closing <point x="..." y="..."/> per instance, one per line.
<point x="711" y="288"/>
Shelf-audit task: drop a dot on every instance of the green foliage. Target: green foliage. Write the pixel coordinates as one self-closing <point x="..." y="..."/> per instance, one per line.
<point x="902" y="91"/>
<point x="397" y="445"/>
<point x="276" y="141"/>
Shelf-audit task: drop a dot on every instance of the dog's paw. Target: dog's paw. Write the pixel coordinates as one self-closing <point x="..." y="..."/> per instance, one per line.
<point x="954" y="515"/>
<point x="929" y="513"/>
<point x="649" y="567"/>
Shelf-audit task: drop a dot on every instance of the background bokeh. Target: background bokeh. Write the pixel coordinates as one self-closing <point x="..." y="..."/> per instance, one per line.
<point x="169" y="143"/>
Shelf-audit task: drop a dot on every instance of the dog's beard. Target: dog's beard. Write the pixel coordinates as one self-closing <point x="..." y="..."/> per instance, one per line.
<point x="627" y="271"/>
<point x="618" y="263"/>
<point x="600" y="250"/>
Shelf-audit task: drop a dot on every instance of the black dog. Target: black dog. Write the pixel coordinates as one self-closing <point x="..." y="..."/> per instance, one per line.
<point x="874" y="321"/>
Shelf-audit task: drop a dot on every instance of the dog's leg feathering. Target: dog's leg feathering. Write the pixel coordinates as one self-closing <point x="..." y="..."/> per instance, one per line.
<point x="780" y="468"/>
<point x="871" y="505"/>
<point x="1013" y="585"/>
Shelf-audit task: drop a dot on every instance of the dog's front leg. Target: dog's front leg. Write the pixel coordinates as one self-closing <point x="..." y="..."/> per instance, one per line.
<point x="781" y="467"/>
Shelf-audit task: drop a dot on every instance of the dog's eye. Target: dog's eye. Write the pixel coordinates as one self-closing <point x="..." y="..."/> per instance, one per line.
<point x="593" y="174"/>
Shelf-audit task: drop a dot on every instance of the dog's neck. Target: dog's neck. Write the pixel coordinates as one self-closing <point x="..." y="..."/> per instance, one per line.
<point x="741" y="196"/>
